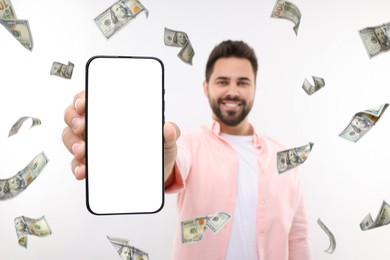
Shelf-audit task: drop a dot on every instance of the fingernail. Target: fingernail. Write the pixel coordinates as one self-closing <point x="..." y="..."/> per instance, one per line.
<point x="75" y="147"/>
<point x="76" y="123"/>
<point x="76" y="170"/>
<point x="76" y="103"/>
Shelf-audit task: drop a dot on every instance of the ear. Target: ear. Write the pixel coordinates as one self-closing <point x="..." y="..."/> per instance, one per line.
<point x="206" y="88"/>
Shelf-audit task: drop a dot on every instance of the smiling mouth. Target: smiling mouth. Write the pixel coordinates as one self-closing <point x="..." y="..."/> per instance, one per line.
<point x="231" y="104"/>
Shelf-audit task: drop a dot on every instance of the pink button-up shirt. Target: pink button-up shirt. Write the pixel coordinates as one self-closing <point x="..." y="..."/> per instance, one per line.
<point x="205" y="178"/>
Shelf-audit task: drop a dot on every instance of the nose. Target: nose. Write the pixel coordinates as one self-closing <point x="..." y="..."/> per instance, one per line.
<point x="233" y="90"/>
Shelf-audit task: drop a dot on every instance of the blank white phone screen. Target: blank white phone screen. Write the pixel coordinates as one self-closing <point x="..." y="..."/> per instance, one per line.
<point x="124" y="138"/>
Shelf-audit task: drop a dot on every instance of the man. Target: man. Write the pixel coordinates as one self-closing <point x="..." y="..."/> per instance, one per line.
<point x="125" y="252"/>
<point x="382" y="36"/>
<point x="180" y="39"/>
<point x="225" y="167"/>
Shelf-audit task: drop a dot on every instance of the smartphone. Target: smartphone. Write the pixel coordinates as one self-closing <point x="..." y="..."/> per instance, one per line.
<point x="124" y="135"/>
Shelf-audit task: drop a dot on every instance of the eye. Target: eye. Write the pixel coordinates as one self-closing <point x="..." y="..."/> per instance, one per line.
<point x="243" y="83"/>
<point x="222" y="82"/>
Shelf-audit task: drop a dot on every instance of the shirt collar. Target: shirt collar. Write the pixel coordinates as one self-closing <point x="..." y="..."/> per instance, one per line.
<point x="215" y="128"/>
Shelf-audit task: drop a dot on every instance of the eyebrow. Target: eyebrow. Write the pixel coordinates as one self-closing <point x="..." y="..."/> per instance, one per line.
<point x="227" y="78"/>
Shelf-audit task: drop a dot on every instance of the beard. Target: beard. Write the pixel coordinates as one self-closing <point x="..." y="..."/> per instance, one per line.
<point x="230" y="117"/>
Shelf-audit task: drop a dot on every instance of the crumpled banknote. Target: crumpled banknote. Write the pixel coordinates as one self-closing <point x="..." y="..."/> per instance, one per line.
<point x="362" y="122"/>
<point x="19" y="28"/>
<point x="118" y="15"/>
<point x="15" y="185"/>
<point x="287" y="10"/>
<point x="180" y="39"/>
<point x="28" y="226"/>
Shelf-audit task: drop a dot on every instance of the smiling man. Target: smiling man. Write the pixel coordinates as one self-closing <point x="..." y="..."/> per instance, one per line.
<point x="228" y="167"/>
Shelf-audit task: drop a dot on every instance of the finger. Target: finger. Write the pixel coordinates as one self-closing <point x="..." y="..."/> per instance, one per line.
<point x="69" y="138"/>
<point x="78" y="169"/>
<point x="78" y="149"/>
<point x="79" y="103"/>
<point x="75" y="121"/>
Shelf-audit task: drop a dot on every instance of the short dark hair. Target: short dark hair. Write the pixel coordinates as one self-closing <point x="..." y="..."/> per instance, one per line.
<point x="229" y="48"/>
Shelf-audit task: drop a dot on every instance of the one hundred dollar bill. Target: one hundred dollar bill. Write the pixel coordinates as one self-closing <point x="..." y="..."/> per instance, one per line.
<point x="18" y="124"/>
<point x="332" y="240"/>
<point x="28" y="226"/>
<point x="382" y="219"/>
<point x="362" y="122"/>
<point x="287" y="10"/>
<point x="310" y="88"/>
<point x="376" y="39"/>
<point x="20" y="29"/>
<point x="291" y="158"/>
<point x="118" y="15"/>
<point x="13" y="186"/>
<point x="126" y="251"/>
<point x="180" y="39"/>
<point x="62" y="70"/>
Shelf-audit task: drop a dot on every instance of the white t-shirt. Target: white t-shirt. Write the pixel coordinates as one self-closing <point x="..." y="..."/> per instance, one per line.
<point x="242" y="241"/>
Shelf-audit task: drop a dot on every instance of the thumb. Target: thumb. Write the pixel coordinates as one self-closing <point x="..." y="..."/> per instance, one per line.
<point x="171" y="134"/>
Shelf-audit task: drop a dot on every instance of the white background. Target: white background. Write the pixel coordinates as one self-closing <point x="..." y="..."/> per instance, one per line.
<point x="343" y="181"/>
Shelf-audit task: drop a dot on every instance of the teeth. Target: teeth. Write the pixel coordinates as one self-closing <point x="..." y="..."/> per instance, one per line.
<point x="231" y="105"/>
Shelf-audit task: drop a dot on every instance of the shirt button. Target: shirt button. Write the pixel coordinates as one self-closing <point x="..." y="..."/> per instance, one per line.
<point x="262" y="233"/>
<point x="263" y="201"/>
<point x="263" y="172"/>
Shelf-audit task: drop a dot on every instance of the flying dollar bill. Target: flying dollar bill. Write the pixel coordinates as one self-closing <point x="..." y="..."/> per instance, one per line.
<point x="376" y="39"/>
<point x="310" y="88"/>
<point x="382" y="219"/>
<point x="118" y="15"/>
<point x="28" y="226"/>
<point x="20" y="29"/>
<point x="18" y="124"/>
<point x="62" y="70"/>
<point x="332" y="240"/>
<point x="13" y="186"/>
<point x="192" y="230"/>
<point x="291" y="158"/>
<point x="126" y="251"/>
<point x="362" y="122"/>
<point x="287" y="10"/>
<point x="180" y="39"/>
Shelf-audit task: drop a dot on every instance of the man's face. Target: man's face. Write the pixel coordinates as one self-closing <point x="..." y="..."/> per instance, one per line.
<point x="63" y="69"/>
<point x="19" y="224"/>
<point x="360" y="123"/>
<point x="181" y="38"/>
<point x="231" y="90"/>
<point x="14" y="183"/>
<point x="381" y="35"/>
<point x="291" y="156"/>
<point x="125" y="254"/>
<point x="118" y="10"/>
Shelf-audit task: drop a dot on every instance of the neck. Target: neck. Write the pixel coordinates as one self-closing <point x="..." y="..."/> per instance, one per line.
<point x="243" y="128"/>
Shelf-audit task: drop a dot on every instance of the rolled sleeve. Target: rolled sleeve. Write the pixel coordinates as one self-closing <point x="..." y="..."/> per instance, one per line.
<point x="180" y="171"/>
